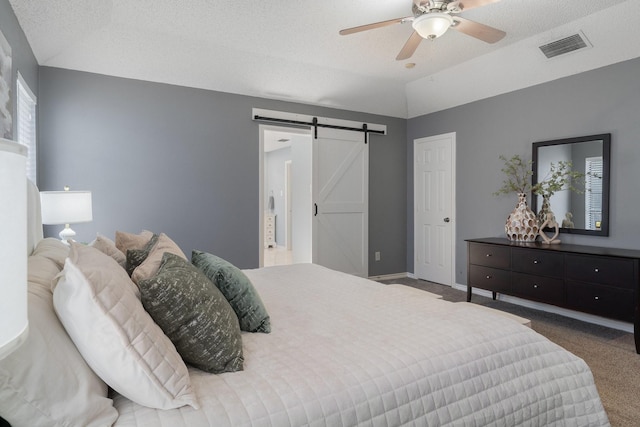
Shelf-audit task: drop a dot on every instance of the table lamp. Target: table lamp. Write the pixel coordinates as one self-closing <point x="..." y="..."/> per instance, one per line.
<point x="14" y="323"/>
<point x="66" y="207"/>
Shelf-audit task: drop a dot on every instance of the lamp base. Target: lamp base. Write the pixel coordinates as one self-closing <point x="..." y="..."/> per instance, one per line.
<point x="67" y="234"/>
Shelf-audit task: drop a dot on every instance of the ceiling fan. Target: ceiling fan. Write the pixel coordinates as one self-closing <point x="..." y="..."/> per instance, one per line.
<point x="432" y="18"/>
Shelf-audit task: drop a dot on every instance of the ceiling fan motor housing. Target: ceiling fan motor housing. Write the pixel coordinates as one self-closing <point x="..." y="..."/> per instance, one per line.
<point x="431" y="6"/>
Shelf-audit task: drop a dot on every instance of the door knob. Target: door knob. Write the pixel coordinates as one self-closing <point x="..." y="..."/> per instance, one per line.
<point x="447" y="219"/>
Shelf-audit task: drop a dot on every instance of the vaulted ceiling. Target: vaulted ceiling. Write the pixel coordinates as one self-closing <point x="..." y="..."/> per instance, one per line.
<point x="291" y="50"/>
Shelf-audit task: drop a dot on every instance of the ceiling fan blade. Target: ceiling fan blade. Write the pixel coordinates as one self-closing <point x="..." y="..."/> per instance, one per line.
<point x="475" y="29"/>
<point x="352" y="30"/>
<point x="409" y="47"/>
<point x="470" y="4"/>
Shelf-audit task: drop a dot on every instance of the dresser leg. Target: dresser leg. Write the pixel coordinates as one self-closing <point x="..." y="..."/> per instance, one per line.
<point x="636" y="330"/>
<point x="469" y="293"/>
<point x="494" y="295"/>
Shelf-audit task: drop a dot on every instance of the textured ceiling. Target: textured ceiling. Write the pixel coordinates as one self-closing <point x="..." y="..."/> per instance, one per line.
<point x="291" y="50"/>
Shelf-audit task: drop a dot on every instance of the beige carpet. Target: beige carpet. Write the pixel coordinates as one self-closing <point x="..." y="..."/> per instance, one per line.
<point x="610" y="353"/>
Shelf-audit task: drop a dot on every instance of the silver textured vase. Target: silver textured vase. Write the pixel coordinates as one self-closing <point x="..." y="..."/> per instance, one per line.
<point x="522" y="224"/>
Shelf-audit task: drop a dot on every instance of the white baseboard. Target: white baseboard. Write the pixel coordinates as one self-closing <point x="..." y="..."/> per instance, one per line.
<point x="585" y="317"/>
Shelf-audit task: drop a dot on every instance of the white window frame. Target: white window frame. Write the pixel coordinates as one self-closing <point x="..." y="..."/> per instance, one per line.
<point x="593" y="192"/>
<point x="26" y="125"/>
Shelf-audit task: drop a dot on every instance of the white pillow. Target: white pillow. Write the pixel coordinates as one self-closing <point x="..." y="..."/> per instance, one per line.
<point x="46" y="382"/>
<point x="95" y="301"/>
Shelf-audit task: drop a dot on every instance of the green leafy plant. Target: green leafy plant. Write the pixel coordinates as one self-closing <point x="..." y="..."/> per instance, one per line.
<point x="560" y="177"/>
<point x="518" y="176"/>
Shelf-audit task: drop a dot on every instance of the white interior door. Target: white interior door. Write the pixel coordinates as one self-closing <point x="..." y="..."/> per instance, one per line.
<point x="341" y="201"/>
<point x="434" y="198"/>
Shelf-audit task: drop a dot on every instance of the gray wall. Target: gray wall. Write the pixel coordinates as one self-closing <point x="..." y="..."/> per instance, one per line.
<point x="185" y="161"/>
<point x="22" y="56"/>
<point x="599" y="101"/>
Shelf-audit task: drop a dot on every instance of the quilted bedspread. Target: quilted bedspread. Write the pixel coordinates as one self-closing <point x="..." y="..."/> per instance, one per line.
<point x="347" y="351"/>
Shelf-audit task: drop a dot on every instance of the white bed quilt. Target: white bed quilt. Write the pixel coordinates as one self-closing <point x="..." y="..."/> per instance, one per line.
<point x="347" y="351"/>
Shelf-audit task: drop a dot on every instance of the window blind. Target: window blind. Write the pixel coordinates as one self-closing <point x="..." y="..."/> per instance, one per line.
<point x="26" y="120"/>
<point x="593" y="192"/>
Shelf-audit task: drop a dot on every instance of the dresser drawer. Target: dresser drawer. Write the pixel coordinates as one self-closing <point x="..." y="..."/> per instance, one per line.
<point x="617" y="272"/>
<point x="489" y="255"/>
<point x="536" y="262"/>
<point x="492" y="279"/>
<point x="539" y="288"/>
<point x="604" y="301"/>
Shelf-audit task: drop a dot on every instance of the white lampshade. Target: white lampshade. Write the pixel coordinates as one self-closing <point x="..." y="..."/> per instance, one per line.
<point x="66" y="207"/>
<point x="432" y="25"/>
<point x="13" y="246"/>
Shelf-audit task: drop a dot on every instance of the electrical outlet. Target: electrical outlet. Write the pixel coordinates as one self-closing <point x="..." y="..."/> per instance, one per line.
<point x="377" y="254"/>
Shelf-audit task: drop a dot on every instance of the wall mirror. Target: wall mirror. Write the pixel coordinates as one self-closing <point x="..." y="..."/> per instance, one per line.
<point x="575" y="212"/>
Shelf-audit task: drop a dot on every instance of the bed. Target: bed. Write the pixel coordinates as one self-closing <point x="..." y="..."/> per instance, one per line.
<point x="341" y="351"/>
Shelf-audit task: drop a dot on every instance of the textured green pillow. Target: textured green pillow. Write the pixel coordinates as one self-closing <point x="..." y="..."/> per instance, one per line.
<point x="194" y="315"/>
<point x="238" y="290"/>
<point x="135" y="257"/>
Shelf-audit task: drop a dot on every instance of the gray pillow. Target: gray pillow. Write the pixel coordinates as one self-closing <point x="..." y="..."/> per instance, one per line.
<point x="194" y="315"/>
<point x="238" y="290"/>
<point x="135" y="257"/>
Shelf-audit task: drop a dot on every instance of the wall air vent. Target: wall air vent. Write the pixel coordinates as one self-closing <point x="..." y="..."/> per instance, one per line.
<point x="565" y="45"/>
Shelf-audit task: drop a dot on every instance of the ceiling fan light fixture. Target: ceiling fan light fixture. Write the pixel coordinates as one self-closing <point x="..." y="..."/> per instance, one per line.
<point x="432" y="25"/>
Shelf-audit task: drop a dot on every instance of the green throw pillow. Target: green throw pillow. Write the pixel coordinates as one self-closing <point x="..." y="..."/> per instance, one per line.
<point x="238" y="290"/>
<point x="135" y="257"/>
<point x="194" y="315"/>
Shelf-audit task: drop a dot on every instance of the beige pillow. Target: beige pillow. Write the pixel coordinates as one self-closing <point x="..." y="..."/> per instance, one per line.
<point x="126" y="241"/>
<point x="53" y="249"/>
<point x="45" y="381"/>
<point x="108" y="247"/>
<point x="151" y="264"/>
<point x="95" y="301"/>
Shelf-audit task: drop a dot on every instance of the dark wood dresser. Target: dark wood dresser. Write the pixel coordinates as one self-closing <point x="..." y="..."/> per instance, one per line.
<point x="589" y="279"/>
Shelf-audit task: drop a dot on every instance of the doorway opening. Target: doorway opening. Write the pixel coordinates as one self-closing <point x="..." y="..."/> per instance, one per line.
<point x="285" y="195"/>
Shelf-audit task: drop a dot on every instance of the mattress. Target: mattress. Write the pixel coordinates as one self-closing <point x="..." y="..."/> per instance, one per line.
<point x="348" y="351"/>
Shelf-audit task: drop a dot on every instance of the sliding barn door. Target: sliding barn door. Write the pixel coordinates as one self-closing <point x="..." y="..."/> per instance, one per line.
<point x="341" y="201"/>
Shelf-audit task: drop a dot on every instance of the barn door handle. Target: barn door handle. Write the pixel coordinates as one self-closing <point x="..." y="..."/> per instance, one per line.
<point x="316" y="209"/>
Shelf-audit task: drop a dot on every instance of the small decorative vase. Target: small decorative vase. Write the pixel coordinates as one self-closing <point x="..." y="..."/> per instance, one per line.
<point x="544" y="210"/>
<point x="546" y="218"/>
<point x="522" y="224"/>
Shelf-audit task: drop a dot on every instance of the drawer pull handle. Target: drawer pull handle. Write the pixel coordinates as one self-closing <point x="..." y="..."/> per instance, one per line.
<point x="597" y="270"/>
<point x="535" y="286"/>
<point x="488" y="277"/>
<point x="488" y="255"/>
<point x="535" y="261"/>
<point x="596" y="298"/>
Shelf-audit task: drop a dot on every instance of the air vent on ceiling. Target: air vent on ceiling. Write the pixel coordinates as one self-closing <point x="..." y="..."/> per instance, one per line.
<point x="565" y="45"/>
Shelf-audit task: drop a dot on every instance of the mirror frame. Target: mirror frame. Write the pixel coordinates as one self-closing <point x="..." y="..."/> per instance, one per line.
<point x="606" y="159"/>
